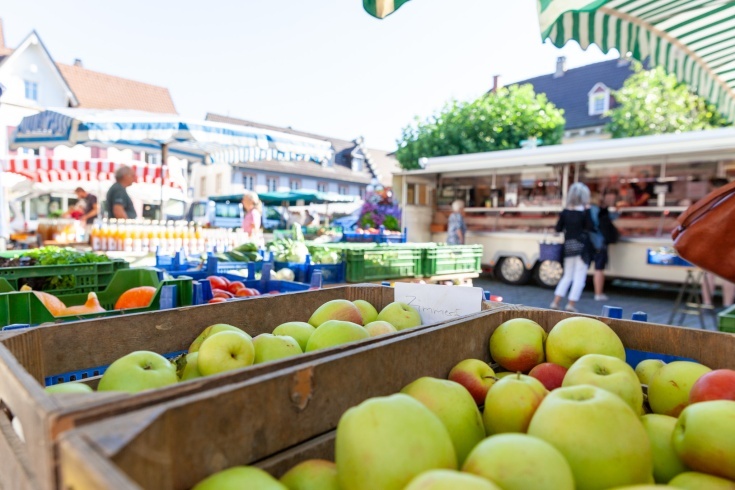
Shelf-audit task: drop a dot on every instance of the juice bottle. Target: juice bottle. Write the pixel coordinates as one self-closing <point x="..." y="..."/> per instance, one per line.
<point x="137" y="239"/>
<point x="112" y="236"/>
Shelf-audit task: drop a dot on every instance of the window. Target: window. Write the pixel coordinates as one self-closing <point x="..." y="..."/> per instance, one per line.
<point x="599" y="100"/>
<point x="357" y="164"/>
<point x="248" y="181"/>
<point x="31" y="90"/>
<point x="272" y="184"/>
<point x="294" y="184"/>
<point x="343" y="190"/>
<point x="203" y="186"/>
<point x="322" y="186"/>
<point x="363" y="191"/>
<point x="218" y="184"/>
<point x="97" y="152"/>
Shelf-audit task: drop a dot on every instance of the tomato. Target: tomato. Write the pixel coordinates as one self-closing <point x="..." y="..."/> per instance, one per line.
<point x="275" y="292"/>
<point x="255" y="292"/>
<point x="235" y="286"/>
<point x="217" y="300"/>
<point x="244" y="292"/>
<point x="217" y="282"/>
<point x="221" y="293"/>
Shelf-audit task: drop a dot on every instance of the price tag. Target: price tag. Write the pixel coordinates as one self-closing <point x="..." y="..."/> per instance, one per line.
<point x="439" y="303"/>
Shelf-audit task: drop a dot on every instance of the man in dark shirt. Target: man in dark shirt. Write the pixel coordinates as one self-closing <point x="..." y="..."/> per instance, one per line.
<point x="91" y="208"/>
<point x="119" y="204"/>
<point x="642" y="190"/>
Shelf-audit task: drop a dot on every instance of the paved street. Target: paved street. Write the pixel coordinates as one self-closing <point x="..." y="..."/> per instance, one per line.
<point x="652" y="299"/>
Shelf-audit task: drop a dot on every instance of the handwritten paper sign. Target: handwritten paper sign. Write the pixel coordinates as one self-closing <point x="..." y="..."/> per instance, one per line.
<point x="439" y="303"/>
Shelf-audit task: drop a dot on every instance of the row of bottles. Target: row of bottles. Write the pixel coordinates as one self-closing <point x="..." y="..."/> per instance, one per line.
<point x="167" y="237"/>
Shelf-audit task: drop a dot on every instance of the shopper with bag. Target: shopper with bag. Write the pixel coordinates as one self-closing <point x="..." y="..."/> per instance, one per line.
<point x="576" y="223"/>
<point x="604" y="233"/>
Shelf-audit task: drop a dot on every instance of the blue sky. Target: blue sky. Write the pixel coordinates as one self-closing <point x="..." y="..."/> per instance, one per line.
<point x="322" y="66"/>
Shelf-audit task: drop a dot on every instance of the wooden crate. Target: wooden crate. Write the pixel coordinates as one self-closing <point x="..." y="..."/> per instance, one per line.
<point x="27" y="357"/>
<point x="281" y="418"/>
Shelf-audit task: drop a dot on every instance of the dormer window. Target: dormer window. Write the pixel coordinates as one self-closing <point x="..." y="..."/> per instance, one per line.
<point x="599" y="100"/>
<point x="357" y="164"/>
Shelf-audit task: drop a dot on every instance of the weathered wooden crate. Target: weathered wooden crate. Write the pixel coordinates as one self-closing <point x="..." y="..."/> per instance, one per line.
<point x="281" y="418"/>
<point x="28" y="357"/>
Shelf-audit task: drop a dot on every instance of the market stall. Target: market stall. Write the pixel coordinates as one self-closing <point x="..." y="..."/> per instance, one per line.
<point x="512" y="198"/>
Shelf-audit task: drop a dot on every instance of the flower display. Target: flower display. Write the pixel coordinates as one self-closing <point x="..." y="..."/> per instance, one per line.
<point x="380" y="209"/>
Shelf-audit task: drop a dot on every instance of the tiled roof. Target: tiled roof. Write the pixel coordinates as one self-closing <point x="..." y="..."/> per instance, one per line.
<point x="101" y="91"/>
<point x="379" y="163"/>
<point x="309" y="169"/>
<point x="569" y="91"/>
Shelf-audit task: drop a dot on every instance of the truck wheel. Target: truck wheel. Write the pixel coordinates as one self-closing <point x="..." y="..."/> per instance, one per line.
<point x="548" y="273"/>
<point x="512" y="270"/>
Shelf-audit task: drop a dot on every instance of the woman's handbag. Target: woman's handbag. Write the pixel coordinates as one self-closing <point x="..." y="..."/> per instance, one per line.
<point x="706" y="233"/>
<point x="550" y="251"/>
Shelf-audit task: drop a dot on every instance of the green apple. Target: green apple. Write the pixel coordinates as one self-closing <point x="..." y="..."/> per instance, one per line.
<point x="240" y="477"/>
<point x="449" y="480"/>
<point x="602" y="439"/>
<point x="666" y="464"/>
<point x="608" y="373"/>
<point x="70" y="387"/>
<point x="312" y="474"/>
<point x="301" y="331"/>
<point x="692" y="480"/>
<point x="642" y="487"/>
<point x="211" y="330"/>
<point x="668" y="390"/>
<point x="504" y="374"/>
<point x="647" y="368"/>
<point x="191" y="368"/>
<point x="138" y="371"/>
<point x="455" y="407"/>
<point x="511" y="402"/>
<point x="704" y="437"/>
<point x="269" y="347"/>
<point x="476" y="376"/>
<point x="377" y="328"/>
<point x="368" y="311"/>
<point x="518" y="345"/>
<point x="225" y="351"/>
<point x="574" y="337"/>
<point x="335" y="332"/>
<point x="400" y="315"/>
<point x="337" y="309"/>
<point x="385" y="442"/>
<point x="520" y="462"/>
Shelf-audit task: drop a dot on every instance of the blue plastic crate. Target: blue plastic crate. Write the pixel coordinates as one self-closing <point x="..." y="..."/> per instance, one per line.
<point x="300" y="270"/>
<point x="666" y="257"/>
<point x="633" y="357"/>
<point x="212" y="266"/>
<point x="380" y="237"/>
<point x="331" y="273"/>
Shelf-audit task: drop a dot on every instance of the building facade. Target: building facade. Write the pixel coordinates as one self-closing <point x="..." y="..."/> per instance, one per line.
<point x="350" y="170"/>
<point x="585" y="94"/>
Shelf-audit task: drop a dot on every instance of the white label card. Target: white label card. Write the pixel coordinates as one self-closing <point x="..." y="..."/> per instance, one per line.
<point x="439" y="303"/>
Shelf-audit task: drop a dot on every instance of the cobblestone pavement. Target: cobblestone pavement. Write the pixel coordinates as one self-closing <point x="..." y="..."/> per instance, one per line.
<point x="653" y="299"/>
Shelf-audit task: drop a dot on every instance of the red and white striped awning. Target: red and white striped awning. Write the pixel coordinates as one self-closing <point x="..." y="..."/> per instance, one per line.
<point x="49" y="170"/>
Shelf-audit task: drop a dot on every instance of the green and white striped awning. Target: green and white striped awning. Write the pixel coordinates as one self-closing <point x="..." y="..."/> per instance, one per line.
<point x="693" y="39"/>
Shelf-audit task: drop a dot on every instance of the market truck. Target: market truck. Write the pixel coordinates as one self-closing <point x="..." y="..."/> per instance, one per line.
<point x="512" y="199"/>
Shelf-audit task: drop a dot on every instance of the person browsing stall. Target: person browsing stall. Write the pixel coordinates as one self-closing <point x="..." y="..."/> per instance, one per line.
<point x="456" y="227"/>
<point x="576" y="223"/>
<point x="119" y="204"/>
<point x="252" y="221"/>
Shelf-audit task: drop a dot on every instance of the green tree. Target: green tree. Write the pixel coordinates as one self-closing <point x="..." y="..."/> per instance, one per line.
<point x="497" y="121"/>
<point x="654" y="102"/>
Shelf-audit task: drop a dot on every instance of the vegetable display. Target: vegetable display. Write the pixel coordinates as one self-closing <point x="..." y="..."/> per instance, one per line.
<point x="52" y="256"/>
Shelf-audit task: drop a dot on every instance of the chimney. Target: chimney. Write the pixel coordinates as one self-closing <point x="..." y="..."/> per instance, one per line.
<point x="78" y="62"/>
<point x="2" y="36"/>
<point x="496" y="83"/>
<point x="561" y="66"/>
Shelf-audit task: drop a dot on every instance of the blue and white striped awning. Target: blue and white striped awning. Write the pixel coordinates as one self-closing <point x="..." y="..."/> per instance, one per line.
<point x="207" y="141"/>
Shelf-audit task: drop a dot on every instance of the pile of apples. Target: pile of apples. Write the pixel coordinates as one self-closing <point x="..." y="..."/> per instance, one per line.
<point x="221" y="347"/>
<point x="578" y="420"/>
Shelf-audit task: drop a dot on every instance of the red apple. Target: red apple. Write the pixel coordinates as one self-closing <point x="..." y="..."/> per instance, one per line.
<point x="476" y="376"/>
<point x="715" y="385"/>
<point x="551" y="375"/>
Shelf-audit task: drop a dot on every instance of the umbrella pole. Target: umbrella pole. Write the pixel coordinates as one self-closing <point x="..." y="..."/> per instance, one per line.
<point x="164" y="159"/>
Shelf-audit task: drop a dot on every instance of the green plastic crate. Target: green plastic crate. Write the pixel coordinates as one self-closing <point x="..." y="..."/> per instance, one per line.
<point x="451" y="259"/>
<point x="383" y="262"/>
<point x="87" y="277"/>
<point x="24" y="308"/>
<point x="727" y="320"/>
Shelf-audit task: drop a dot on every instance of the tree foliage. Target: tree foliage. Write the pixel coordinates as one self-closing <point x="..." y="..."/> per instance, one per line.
<point x="497" y="121"/>
<point x="654" y="102"/>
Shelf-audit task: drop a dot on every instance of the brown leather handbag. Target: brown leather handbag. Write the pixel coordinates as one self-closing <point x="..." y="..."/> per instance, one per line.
<point x="706" y="233"/>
